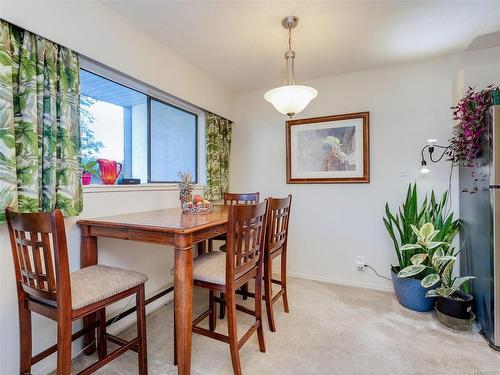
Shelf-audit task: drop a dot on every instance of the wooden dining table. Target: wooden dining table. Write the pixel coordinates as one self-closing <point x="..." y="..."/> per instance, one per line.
<point x="167" y="227"/>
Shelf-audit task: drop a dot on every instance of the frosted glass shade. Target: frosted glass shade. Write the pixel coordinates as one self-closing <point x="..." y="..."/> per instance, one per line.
<point x="291" y="99"/>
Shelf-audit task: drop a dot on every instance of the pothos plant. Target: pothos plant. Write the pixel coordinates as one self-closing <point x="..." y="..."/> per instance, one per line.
<point x="435" y="257"/>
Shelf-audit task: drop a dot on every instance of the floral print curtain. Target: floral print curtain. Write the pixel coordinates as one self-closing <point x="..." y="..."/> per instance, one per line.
<point x="218" y="138"/>
<point x="39" y="124"/>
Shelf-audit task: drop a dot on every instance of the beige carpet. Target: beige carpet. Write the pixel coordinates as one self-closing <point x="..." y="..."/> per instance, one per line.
<point x="331" y="329"/>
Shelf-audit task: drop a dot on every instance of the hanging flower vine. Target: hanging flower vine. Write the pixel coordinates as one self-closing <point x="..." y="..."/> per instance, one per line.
<point x="470" y="112"/>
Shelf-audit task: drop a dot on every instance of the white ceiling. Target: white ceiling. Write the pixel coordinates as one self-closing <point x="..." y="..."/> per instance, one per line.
<point x="241" y="44"/>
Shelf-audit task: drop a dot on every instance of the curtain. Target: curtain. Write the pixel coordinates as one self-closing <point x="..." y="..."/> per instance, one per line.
<point x="39" y="124"/>
<point x="218" y="138"/>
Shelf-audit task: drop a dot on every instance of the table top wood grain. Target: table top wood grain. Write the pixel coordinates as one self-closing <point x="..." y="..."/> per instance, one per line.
<point x="171" y="220"/>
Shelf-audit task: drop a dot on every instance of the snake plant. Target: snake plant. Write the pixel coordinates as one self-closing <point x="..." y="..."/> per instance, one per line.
<point x="399" y="224"/>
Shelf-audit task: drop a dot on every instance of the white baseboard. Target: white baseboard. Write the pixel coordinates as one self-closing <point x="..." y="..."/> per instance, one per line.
<point x="333" y="280"/>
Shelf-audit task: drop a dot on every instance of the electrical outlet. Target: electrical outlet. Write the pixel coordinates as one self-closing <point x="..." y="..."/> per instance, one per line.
<point x="360" y="263"/>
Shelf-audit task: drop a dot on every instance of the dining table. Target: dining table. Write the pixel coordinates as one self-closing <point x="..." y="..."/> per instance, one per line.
<point x="170" y="227"/>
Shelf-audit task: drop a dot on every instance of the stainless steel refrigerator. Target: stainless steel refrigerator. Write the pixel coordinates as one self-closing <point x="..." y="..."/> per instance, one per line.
<point x="480" y="232"/>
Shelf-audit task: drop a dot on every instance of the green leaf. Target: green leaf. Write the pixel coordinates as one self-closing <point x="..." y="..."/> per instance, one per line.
<point x="432" y="235"/>
<point x="433" y="245"/>
<point x="446" y="274"/>
<point x="432" y="293"/>
<point x="411" y="270"/>
<point x="445" y="258"/>
<point x="430" y="280"/>
<point x="415" y="230"/>
<point x="460" y="280"/>
<point x="437" y="254"/>
<point x="418" y="258"/>
<point x="426" y="230"/>
<point x="445" y="292"/>
<point x="410" y="247"/>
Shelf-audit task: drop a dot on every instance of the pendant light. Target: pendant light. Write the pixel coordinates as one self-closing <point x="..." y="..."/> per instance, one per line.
<point x="290" y="98"/>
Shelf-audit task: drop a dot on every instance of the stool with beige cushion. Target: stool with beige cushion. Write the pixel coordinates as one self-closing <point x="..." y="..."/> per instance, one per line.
<point x="231" y="199"/>
<point x="226" y="272"/>
<point x="276" y="245"/>
<point x="45" y="286"/>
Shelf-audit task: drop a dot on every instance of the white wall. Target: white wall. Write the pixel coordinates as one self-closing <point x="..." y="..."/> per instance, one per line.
<point x="333" y="223"/>
<point x="97" y="32"/>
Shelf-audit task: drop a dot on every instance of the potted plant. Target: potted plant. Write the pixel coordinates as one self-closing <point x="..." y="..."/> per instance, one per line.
<point x="436" y="259"/>
<point x="409" y="291"/>
<point x="88" y="170"/>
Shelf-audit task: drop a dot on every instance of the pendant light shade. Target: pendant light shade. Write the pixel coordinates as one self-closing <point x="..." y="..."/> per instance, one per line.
<point x="290" y="98"/>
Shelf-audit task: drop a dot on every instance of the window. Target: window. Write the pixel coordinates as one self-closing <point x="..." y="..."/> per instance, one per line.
<point x="172" y="148"/>
<point x="152" y="138"/>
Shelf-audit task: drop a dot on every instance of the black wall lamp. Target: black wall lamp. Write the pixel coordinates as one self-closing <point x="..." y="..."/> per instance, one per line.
<point x="432" y="148"/>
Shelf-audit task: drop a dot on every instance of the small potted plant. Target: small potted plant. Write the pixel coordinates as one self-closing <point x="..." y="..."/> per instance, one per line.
<point x="436" y="259"/>
<point x="409" y="291"/>
<point x="88" y="170"/>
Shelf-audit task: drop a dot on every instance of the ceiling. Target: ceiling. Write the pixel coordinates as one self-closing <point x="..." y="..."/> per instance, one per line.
<point x="241" y="43"/>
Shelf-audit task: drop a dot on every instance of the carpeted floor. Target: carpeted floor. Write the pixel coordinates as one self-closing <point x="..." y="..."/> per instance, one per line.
<point x="331" y="329"/>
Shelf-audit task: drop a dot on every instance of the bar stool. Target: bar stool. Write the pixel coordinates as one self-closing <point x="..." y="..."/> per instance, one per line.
<point x="276" y="245"/>
<point x="231" y="199"/>
<point x="45" y="286"/>
<point x="226" y="272"/>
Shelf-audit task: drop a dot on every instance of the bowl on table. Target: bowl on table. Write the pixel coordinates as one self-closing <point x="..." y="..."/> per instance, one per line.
<point x="196" y="208"/>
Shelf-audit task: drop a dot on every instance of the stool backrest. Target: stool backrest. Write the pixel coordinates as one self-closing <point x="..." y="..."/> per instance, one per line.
<point x="245" y="238"/>
<point x="40" y="272"/>
<point x="277" y="223"/>
<point x="231" y="199"/>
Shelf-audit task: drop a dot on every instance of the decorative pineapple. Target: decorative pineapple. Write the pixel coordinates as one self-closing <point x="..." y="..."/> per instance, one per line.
<point x="185" y="187"/>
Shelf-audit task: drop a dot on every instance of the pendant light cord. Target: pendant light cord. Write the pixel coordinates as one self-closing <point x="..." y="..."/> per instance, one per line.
<point x="290" y="68"/>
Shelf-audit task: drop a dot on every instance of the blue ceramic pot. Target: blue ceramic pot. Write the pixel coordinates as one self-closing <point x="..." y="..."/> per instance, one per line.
<point x="411" y="294"/>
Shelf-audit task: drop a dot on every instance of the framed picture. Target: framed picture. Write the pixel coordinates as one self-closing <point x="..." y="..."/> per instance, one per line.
<point x="330" y="149"/>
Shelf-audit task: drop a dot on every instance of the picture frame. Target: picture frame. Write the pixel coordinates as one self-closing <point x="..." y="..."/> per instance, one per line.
<point x="329" y="149"/>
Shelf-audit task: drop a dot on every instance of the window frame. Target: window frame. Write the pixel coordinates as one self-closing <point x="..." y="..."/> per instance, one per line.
<point x="153" y="93"/>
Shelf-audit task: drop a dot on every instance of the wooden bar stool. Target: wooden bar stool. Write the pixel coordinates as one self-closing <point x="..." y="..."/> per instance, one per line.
<point x="45" y="286"/>
<point x="231" y="199"/>
<point x="226" y="272"/>
<point x="276" y="245"/>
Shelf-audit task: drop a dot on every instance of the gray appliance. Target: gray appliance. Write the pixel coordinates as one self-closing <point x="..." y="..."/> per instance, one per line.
<point x="480" y="232"/>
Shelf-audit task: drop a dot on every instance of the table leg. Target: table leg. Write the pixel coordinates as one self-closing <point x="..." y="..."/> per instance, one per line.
<point x="183" y="290"/>
<point x="202" y="247"/>
<point x="88" y="257"/>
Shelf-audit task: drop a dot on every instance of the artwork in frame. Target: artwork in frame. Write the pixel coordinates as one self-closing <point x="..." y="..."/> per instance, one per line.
<point x="329" y="149"/>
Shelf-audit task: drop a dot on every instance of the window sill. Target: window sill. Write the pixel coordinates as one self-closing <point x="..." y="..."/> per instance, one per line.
<point x="140" y="187"/>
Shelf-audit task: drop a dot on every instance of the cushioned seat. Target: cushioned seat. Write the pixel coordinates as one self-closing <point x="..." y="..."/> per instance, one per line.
<point x="210" y="268"/>
<point x="96" y="283"/>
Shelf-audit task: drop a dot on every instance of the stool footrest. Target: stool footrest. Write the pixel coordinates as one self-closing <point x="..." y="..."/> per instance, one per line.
<point x="110" y="357"/>
<point x="45" y="353"/>
<point x="119" y="341"/>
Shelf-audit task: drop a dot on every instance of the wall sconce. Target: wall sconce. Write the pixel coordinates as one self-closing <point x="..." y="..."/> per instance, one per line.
<point x="432" y="147"/>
